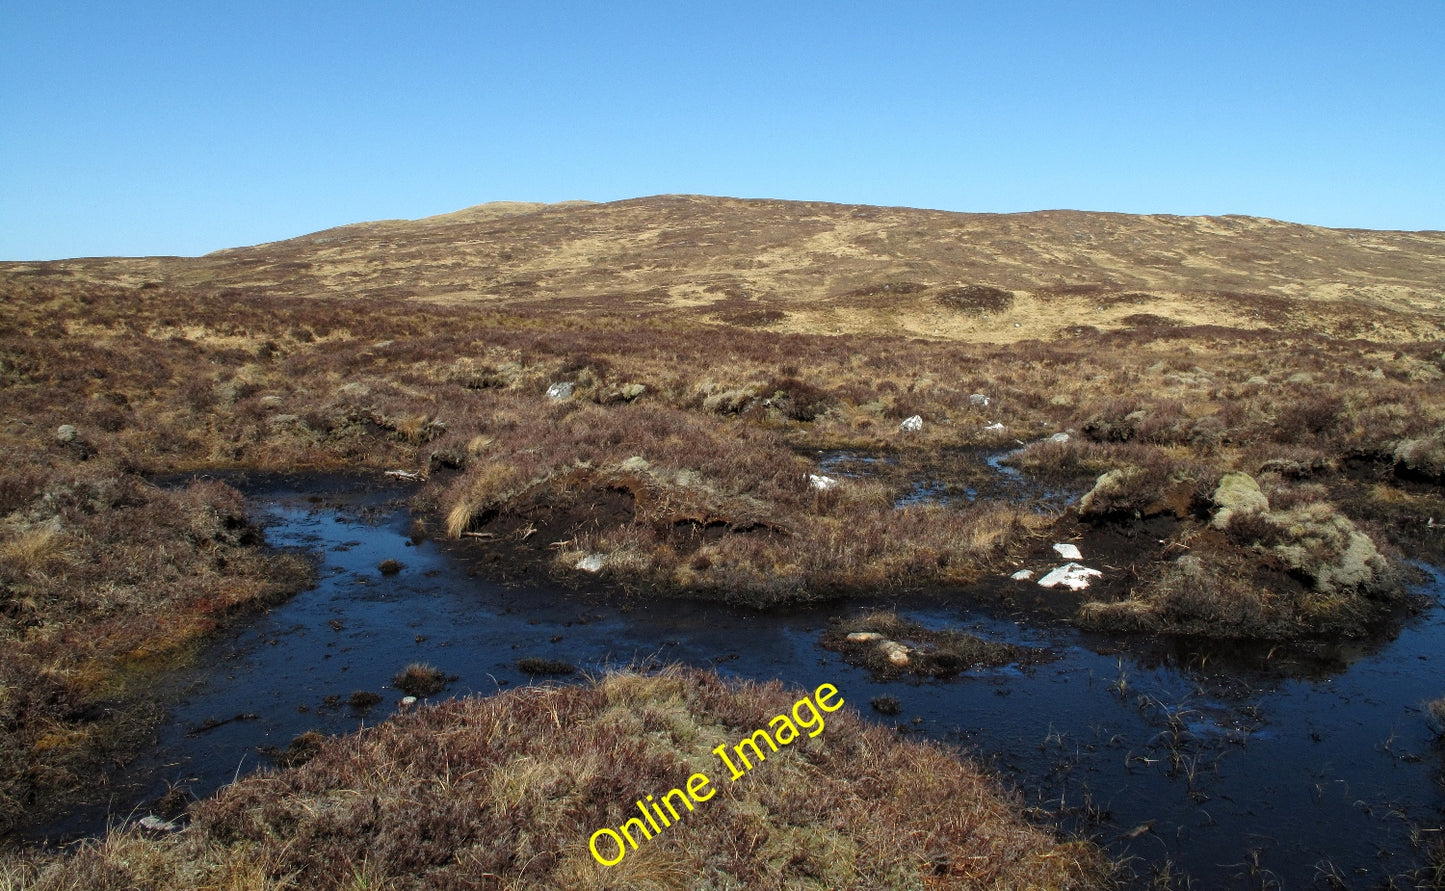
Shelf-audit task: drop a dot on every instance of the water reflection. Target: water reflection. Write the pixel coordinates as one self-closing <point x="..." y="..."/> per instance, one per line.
<point x="1217" y="759"/>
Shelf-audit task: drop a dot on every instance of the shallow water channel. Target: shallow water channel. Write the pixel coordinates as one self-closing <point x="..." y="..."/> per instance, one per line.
<point x="1239" y="768"/>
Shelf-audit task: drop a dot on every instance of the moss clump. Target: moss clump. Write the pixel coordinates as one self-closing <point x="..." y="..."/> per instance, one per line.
<point x="1238" y="493"/>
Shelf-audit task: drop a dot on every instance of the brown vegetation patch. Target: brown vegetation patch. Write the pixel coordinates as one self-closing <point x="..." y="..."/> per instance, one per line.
<point x="420" y="679"/>
<point x="507" y="790"/>
<point x="754" y="318"/>
<point x="106" y="580"/>
<point x="976" y="298"/>
<point x="537" y="665"/>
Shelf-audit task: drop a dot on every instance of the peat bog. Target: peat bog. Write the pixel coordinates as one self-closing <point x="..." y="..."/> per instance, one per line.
<point x="1225" y="763"/>
<point x="696" y="430"/>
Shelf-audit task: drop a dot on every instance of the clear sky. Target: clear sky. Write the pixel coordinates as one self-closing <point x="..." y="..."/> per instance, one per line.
<point x="184" y="127"/>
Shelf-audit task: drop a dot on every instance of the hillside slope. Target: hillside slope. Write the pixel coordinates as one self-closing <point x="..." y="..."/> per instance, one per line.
<point x="830" y="268"/>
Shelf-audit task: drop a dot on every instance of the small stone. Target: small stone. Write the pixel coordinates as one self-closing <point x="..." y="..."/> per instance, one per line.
<point x="1068" y="551"/>
<point x="152" y="823"/>
<point x="269" y="402"/>
<point x="864" y="636"/>
<point x="408" y="701"/>
<point x="1059" y="437"/>
<point x="560" y="390"/>
<point x="65" y="433"/>
<point x="911" y="424"/>
<point x="978" y="399"/>
<point x="636" y="464"/>
<point x="896" y="652"/>
<point x="592" y="563"/>
<point x="1023" y="575"/>
<point x="996" y="427"/>
<point x="821" y="483"/>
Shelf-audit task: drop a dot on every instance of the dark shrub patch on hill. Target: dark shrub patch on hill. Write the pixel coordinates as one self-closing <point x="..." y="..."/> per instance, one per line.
<point x="976" y="298"/>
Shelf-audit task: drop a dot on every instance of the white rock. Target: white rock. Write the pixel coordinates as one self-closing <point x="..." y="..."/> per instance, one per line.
<point x="155" y="824"/>
<point x="1059" y="437"/>
<point x="978" y="399"/>
<point x="864" y="636"/>
<point x="1074" y="576"/>
<point x="407" y="702"/>
<point x="592" y="563"/>
<point x="636" y="464"/>
<point x="896" y="652"/>
<point x="1068" y="551"/>
<point x="821" y="483"/>
<point x="995" y="426"/>
<point x="911" y="424"/>
<point x="560" y="390"/>
<point x="1023" y="575"/>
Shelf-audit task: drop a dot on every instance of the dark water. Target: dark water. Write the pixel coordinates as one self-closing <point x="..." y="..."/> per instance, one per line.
<point x="1241" y="768"/>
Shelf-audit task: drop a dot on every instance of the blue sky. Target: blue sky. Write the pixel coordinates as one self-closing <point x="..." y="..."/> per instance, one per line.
<point x="181" y="127"/>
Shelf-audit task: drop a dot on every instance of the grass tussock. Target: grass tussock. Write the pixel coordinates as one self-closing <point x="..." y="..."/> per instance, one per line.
<point x="506" y="791"/>
<point x="420" y="679"/>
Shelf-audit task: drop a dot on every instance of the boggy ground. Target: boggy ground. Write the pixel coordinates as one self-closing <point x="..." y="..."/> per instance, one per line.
<point x="1263" y="472"/>
<point x="464" y="793"/>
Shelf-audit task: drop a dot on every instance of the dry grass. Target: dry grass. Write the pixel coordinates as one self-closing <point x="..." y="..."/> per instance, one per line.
<point x="506" y="791"/>
<point x="105" y="580"/>
<point x="700" y="336"/>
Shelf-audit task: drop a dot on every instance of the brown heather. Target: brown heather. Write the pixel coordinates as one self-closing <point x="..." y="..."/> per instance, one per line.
<point x="714" y="347"/>
<point x="486" y="793"/>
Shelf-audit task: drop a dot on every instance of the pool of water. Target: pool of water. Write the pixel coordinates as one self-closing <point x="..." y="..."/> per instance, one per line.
<point x="1239" y="766"/>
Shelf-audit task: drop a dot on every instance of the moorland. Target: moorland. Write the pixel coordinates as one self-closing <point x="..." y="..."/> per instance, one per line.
<point x="634" y="395"/>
